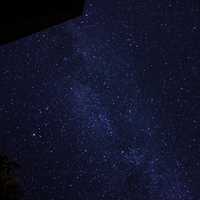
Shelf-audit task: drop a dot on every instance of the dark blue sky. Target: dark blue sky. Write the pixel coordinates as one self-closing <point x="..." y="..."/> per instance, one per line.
<point x="107" y="106"/>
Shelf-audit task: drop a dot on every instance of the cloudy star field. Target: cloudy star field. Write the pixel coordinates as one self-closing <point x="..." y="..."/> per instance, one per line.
<point x="107" y="106"/>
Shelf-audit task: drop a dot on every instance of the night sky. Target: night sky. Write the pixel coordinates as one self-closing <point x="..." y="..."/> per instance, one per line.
<point x="107" y="106"/>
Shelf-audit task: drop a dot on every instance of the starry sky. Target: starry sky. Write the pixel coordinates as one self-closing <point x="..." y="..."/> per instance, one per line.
<point x="107" y="106"/>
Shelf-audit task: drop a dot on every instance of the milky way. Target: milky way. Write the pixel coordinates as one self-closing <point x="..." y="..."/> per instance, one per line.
<point x="106" y="106"/>
<point x="87" y="105"/>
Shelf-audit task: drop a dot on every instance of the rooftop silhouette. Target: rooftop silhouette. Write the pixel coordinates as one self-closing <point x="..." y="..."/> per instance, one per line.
<point x="24" y="18"/>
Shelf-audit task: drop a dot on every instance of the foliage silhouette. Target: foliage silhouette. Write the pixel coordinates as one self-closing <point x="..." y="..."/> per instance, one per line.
<point x="9" y="183"/>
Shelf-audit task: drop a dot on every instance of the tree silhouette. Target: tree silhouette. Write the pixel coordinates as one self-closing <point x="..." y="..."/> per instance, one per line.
<point x="9" y="183"/>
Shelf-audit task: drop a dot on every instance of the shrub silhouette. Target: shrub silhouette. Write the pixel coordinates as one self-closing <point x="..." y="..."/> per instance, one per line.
<point x="9" y="183"/>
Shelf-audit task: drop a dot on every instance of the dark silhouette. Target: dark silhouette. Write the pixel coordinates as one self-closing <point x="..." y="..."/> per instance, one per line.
<point x="9" y="183"/>
<point x="24" y="18"/>
<point x="135" y="187"/>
